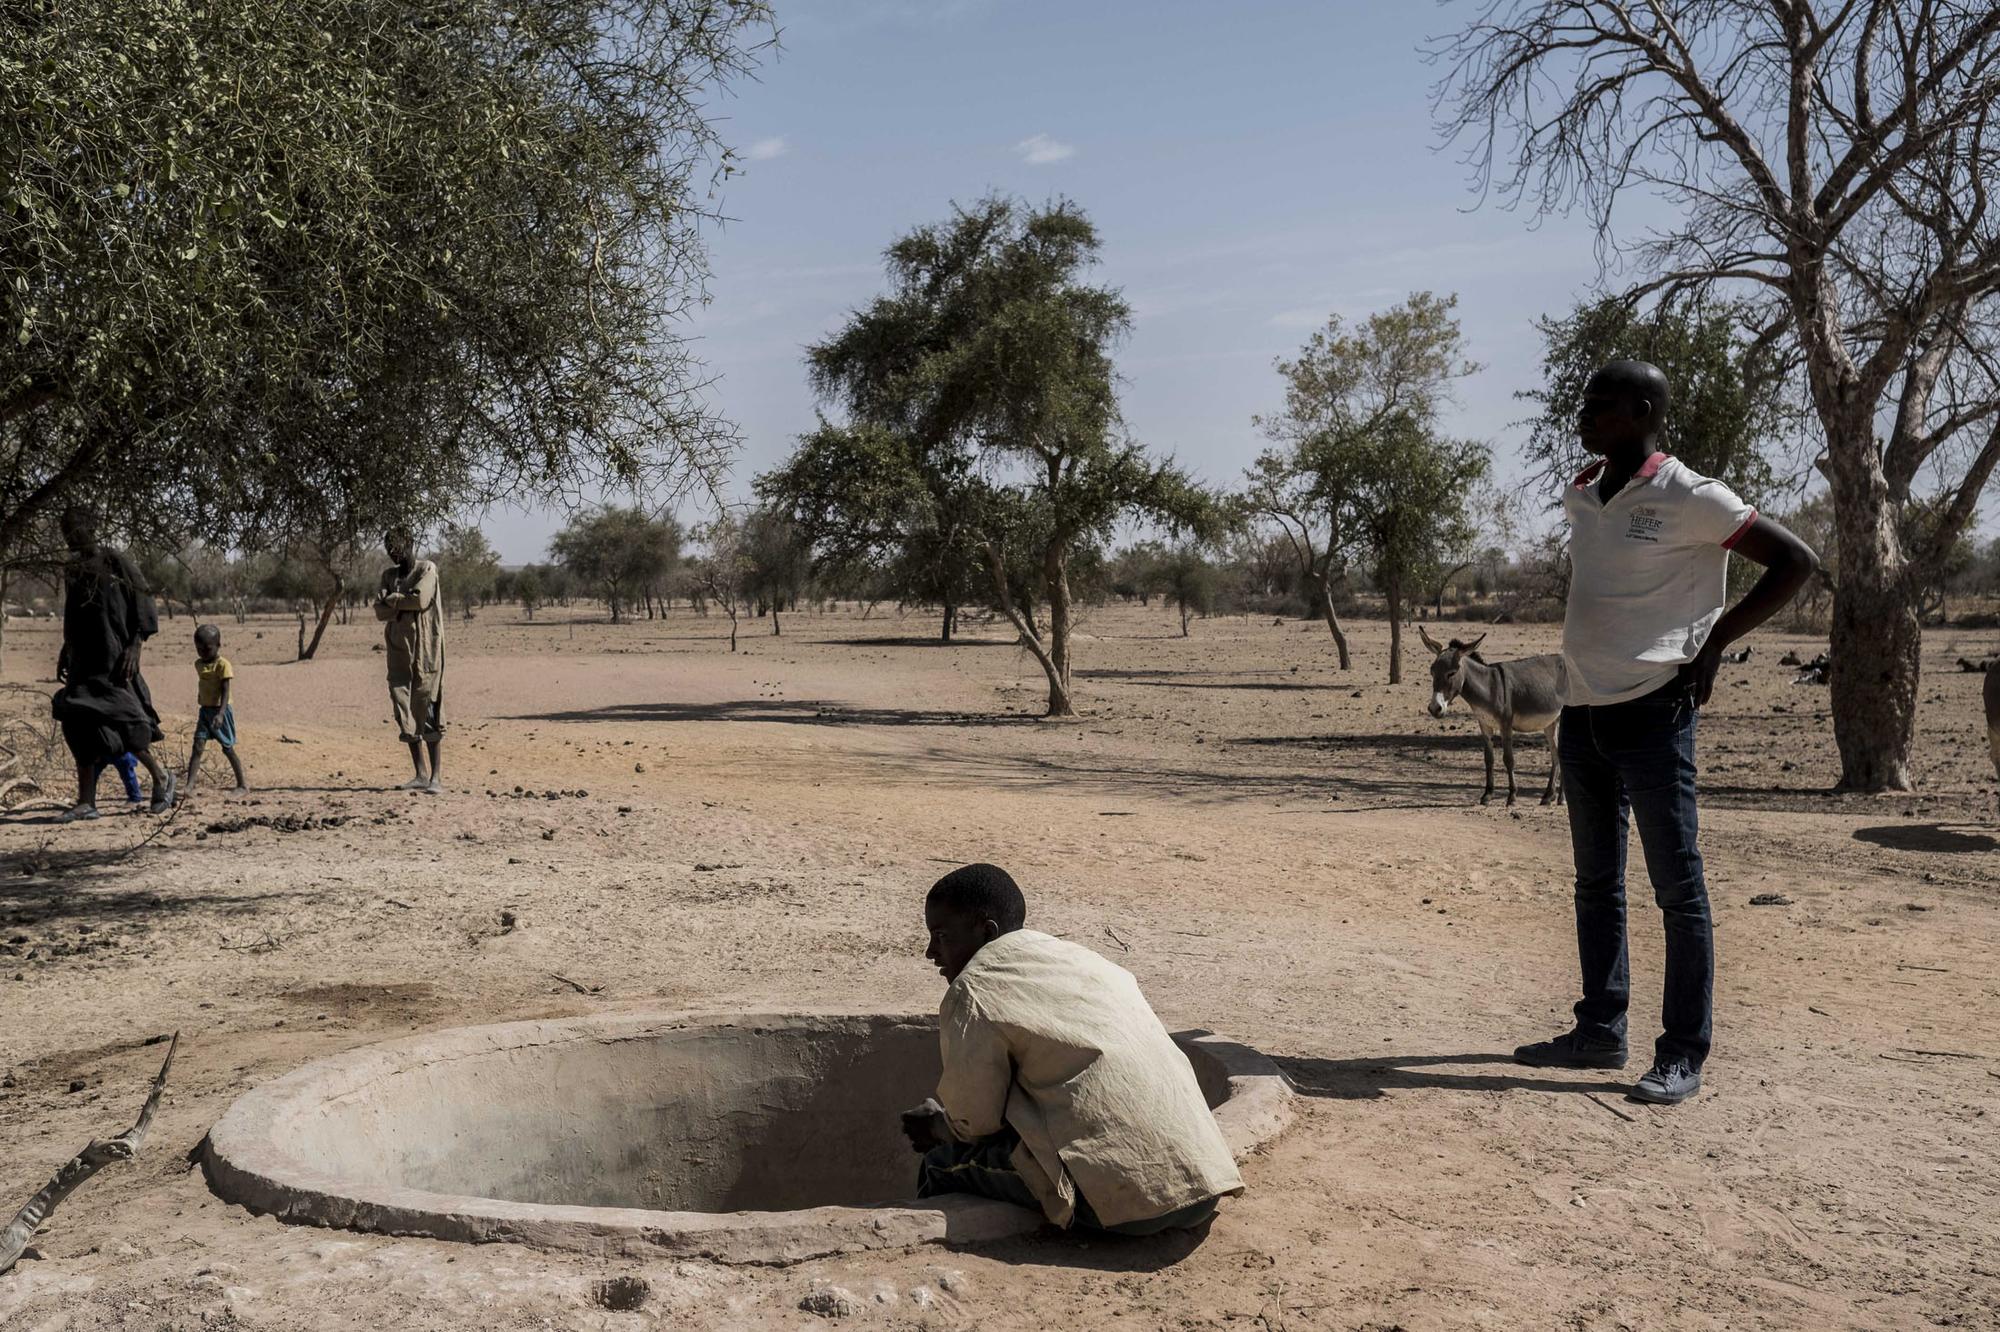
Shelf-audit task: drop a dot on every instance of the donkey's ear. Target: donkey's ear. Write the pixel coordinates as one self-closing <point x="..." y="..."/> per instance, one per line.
<point x="1473" y="646"/>
<point x="1429" y="642"/>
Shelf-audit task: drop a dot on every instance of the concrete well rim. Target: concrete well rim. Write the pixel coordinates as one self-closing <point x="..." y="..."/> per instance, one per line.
<point x="248" y="1163"/>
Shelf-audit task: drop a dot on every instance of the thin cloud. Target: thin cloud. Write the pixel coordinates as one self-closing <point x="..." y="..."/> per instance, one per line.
<point x="765" y="149"/>
<point x="1040" y="150"/>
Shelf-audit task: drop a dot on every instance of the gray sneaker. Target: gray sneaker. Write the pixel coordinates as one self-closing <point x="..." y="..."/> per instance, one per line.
<point x="163" y="797"/>
<point x="1572" y="1050"/>
<point x="1667" y="1082"/>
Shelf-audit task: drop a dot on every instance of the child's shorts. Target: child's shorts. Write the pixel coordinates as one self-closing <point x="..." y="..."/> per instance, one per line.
<point x="217" y="724"/>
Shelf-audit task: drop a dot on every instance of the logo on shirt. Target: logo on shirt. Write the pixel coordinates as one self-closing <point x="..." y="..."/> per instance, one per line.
<point x="1645" y="525"/>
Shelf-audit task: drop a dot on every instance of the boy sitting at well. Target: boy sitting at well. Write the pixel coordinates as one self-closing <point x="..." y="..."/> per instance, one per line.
<point x="1061" y="1091"/>
<point x="217" y="719"/>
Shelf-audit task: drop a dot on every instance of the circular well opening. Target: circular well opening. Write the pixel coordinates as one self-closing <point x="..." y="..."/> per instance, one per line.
<point x="750" y="1138"/>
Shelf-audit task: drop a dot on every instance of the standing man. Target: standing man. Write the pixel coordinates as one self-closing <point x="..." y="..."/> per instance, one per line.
<point x="104" y="707"/>
<point x="1643" y="635"/>
<point x="412" y="614"/>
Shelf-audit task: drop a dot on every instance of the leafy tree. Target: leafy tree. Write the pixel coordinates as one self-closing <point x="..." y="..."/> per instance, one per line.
<point x="1356" y="398"/>
<point x="1409" y="510"/>
<point x="724" y="569"/>
<point x="288" y="272"/>
<point x="528" y="589"/>
<point x="467" y="567"/>
<point x="1837" y="162"/>
<point x="1731" y="381"/>
<point x="990" y="349"/>
<point x="620" y="552"/>
<point x="1189" y="579"/>
<point x="777" y="563"/>
<point x="869" y="501"/>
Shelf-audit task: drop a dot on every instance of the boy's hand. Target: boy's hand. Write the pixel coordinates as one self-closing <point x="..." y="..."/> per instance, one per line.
<point x="62" y="665"/>
<point x="926" y="1126"/>
<point x="1699" y="675"/>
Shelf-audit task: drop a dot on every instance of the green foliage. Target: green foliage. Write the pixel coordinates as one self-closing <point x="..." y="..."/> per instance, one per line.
<point x="467" y="568"/>
<point x="619" y="553"/>
<point x="1359" y="468"/>
<point x="1729" y="401"/>
<point x="273" y="270"/>
<point x="986" y="371"/>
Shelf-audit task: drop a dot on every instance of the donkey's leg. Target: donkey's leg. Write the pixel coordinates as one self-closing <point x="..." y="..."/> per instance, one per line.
<point x="1507" y="752"/>
<point x="1554" y="791"/>
<point x="1486" y="742"/>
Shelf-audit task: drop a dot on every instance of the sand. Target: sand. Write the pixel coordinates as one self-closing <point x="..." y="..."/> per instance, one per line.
<point x="1281" y="851"/>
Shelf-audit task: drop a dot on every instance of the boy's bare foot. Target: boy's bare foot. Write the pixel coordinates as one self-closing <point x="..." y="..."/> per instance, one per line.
<point x="434" y="787"/>
<point x="415" y="784"/>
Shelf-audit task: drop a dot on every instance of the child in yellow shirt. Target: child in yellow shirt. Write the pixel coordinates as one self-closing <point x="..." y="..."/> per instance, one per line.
<point x="216" y="720"/>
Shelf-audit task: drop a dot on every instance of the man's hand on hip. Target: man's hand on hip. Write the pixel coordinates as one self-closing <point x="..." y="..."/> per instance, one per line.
<point x="1699" y="675"/>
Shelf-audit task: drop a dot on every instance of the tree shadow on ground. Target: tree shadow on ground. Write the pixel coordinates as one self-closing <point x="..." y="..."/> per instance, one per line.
<point x="1397" y="742"/>
<point x="794" y="712"/>
<point x="66" y="892"/>
<point x="908" y="641"/>
<point x="1926" y="837"/>
<point x="1377" y="1075"/>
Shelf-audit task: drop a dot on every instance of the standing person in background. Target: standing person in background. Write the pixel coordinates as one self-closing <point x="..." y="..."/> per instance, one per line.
<point x="412" y="612"/>
<point x="103" y="705"/>
<point x="216" y="720"/>
<point x="1643" y="635"/>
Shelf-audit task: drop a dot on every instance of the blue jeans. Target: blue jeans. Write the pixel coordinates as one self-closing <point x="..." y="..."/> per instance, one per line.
<point x="1638" y="757"/>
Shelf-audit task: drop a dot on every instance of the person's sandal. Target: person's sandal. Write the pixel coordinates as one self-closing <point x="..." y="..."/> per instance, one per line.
<point x="164" y="800"/>
<point x="79" y="813"/>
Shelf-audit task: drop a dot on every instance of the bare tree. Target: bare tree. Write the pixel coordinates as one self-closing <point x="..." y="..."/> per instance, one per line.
<point x="1835" y="157"/>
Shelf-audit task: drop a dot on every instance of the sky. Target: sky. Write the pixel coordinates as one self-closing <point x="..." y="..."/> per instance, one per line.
<point x="1252" y="168"/>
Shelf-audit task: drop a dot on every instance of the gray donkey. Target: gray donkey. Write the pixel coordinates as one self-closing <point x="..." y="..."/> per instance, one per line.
<point x="1504" y="696"/>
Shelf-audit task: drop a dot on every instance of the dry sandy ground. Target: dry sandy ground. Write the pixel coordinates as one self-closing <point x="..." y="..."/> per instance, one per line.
<point x="1283" y="853"/>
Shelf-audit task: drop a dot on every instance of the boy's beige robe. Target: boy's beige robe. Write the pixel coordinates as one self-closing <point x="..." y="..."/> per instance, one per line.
<point x="1050" y="1038"/>
<point x="412" y="614"/>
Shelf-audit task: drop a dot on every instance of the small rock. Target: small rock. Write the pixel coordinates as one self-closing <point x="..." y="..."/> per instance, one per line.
<point x="76" y="1084"/>
<point x="829" y="1302"/>
<point x="921" y="1297"/>
<point x="1770" y="899"/>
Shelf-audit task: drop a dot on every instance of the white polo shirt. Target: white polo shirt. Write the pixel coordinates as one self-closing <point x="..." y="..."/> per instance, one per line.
<point x="1648" y="577"/>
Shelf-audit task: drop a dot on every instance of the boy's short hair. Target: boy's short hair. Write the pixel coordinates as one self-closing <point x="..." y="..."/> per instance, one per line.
<point x="399" y="531"/>
<point x="208" y="633"/>
<point x="983" y="892"/>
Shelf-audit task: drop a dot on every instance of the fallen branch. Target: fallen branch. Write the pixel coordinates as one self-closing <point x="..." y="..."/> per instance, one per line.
<point x="578" y="986"/>
<point x="1612" y="1108"/>
<point x="14" y="1240"/>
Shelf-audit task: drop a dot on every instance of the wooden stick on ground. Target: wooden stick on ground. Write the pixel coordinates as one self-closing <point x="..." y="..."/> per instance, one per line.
<point x="14" y="1240"/>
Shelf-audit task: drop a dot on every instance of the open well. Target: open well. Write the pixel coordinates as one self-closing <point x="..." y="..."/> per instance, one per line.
<point x="762" y="1138"/>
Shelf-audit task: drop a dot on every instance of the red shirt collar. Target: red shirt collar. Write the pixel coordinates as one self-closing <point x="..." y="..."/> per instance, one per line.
<point x="1646" y="470"/>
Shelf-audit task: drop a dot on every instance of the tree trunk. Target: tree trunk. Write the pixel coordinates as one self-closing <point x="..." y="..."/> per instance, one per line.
<point x="1059" y="703"/>
<point x="306" y="650"/>
<point x="1055" y="569"/>
<point x="1185" y="617"/>
<point x="950" y="613"/>
<point x="777" y="630"/>
<point x="6" y="575"/>
<point x="1332" y="619"/>
<point x="1873" y="681"/>
<point x="1392" y="591"/>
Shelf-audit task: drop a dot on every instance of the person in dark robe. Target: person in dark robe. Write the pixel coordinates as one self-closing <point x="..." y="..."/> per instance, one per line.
<point x="104" y="706"/>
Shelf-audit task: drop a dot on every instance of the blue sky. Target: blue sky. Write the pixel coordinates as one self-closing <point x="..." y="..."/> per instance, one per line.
<point x="1251" y="167"/>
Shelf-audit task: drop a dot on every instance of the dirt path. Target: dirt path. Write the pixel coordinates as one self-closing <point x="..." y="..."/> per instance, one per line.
<point x="1279" y="852"/>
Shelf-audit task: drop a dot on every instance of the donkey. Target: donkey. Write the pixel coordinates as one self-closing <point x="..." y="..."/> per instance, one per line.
<point x="1506" y="696"/>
